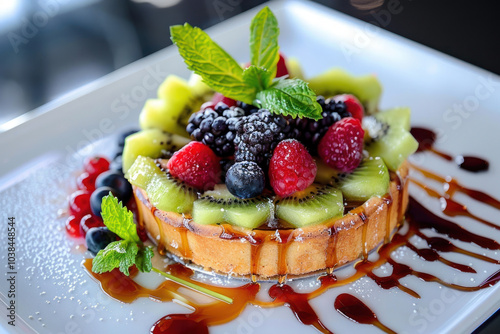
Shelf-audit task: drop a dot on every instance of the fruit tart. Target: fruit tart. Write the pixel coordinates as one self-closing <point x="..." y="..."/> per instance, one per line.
<point x="253" y="170"/>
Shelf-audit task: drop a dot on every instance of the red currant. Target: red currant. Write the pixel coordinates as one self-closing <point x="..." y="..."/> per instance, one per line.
<point x="86" y="182"/>
<point x="79" y="203"/>
<point x="73" y="226"/>
<point x="96" y="165"/>
<point x="89" y="221"/>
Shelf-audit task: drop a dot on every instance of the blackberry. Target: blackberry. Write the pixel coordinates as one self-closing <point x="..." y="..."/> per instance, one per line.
<point x="225" y="164"/>
<point x="248" y="108"/>
<point x="310" y="132"/>
<point x="258" y="134"/>
<point x="215" y="127"/>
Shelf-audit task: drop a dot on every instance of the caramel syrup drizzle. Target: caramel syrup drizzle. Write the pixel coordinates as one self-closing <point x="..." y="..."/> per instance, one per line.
<point x="426" y="139"/>
<point x="355" y="310"/>
<point x="419" y="219"/>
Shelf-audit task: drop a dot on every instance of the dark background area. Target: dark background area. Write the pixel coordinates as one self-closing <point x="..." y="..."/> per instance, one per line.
<point x="51" y="47"/>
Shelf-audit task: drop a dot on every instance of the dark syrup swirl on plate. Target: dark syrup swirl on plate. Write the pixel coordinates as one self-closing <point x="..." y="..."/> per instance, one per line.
<point x="355" y="310"/>
<point x="418" y="220"/>
<point x="426" y="139"/>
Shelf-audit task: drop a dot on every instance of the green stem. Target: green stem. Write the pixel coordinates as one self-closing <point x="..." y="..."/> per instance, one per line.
<point x="195" y="287"/>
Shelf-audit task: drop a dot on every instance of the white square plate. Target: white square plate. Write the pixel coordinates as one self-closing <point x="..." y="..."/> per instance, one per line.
<point x="41" y="157"/>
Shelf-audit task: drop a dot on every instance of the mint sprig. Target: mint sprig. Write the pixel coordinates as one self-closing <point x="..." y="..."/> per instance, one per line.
<point x="206" y="58"/>
<point x="264" y="47"/>
<point x="118" y="254"/>
<point x="256" y="84"/>
<point x="291" y="97"/>
<point x="256" y="77"/>
<point x="143" y="259"/>
<point x="130" y="250"/>
<point x="118" y="219"/>
<point x="124" y="253"/>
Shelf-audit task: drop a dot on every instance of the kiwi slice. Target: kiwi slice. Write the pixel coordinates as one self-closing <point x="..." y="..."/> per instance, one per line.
<point x="165" y="192"/>
<point x="219" y="205"/>
<point x="159" y="114"/>
<point x="325" y="174"/>
<point x="149" y="143"/>
<point x="397" y="117"/>
<point x="389" y="137"/>
<point x="294" y="68"/>
<point x="177" y="100"/>
<point x="366" y="88"/>
<point x="370" y="178"/>
<point x="312" y="205"/>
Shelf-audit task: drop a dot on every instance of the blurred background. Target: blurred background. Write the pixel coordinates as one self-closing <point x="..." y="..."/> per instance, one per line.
<point x="50" y="47"/>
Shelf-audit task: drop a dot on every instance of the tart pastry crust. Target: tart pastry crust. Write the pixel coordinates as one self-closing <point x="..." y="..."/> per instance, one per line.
<point x="273" y="252"/>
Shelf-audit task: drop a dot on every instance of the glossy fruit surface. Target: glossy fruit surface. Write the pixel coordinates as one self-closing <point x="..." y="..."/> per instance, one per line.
<point x="96" y="165"/>
<point x="98" y="238"/>
<point x="89" y="221"/>
<point x="85" y="182"/>
<point x="96" y="199"/>
<point x="73" y="226"/>
<point x="79" y="203"/>
<point x="115" y="180"/>
<point x="245" y="179"/>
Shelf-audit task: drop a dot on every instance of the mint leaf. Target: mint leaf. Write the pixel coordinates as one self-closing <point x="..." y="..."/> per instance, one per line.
<point x="256" y="77"/>
<point x="207" y="59"/>
<point x="124" y="253"/>
<point x="118" y="254"/>
<point x="291" y="97"/>
<point x="264" y="48"/>
<point x="143" y="259"/>
<point x="119" y="219"/>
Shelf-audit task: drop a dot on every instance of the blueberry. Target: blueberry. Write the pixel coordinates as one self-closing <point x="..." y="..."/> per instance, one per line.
<point x="116" y="181"/>
<point x="245" y="179"/>
<point x="98" y="238"/>
<point x="96" y="199"/>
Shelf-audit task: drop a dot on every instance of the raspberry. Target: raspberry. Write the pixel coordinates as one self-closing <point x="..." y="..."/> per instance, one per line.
<point x="342" y="146"/>
<point x="218" y="97"/>
<point x="353" y="106"/>
<point x="197" y="165"/>
<point x="281" y="70"/>
<point x="291" y="168"/>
